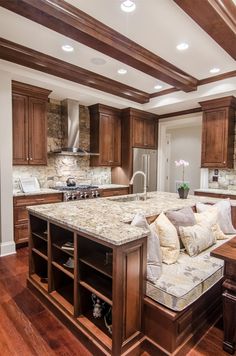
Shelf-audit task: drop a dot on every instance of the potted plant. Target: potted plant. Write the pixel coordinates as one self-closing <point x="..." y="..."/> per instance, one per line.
<point x="183" y="189"/>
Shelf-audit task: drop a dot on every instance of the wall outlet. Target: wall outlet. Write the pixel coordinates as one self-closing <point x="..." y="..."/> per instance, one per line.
<point x="215" y="179"/>
<point x="216" y="172"/>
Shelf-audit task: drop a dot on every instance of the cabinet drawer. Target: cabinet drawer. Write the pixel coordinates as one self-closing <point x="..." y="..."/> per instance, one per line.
<point x="37" y="199"/>
<point x="21" y="233"/>
<point x="20" y="215"/>
<point x="113" y="192"/>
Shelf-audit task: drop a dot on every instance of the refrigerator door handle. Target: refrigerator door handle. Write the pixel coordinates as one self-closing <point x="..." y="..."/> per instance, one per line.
<point x="148" y="170"/>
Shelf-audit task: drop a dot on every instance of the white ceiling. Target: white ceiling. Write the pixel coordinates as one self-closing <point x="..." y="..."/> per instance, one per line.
<point x="158" y="27"/>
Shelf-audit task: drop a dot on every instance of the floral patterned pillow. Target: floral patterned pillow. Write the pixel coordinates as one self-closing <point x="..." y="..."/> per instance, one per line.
<point x="197" y="238"/>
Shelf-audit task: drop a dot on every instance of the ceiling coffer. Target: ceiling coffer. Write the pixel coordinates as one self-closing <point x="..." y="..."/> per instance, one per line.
<point x="71" y="130"/>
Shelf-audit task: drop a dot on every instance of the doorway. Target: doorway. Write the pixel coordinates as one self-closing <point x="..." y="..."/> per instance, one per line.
<point x="179" y="139"/>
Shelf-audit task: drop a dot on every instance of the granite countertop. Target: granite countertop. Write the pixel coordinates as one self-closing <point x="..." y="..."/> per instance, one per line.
<point x="18" y="192"/>
<point x="108" y="218"/>
<point x="216" y="191"/>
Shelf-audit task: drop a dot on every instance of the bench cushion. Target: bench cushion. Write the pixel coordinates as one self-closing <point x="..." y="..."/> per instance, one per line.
<point x="186" y="280"/>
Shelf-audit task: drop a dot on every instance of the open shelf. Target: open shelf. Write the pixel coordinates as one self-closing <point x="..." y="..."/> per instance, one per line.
<point x="39" y="269"/>
<point x="41" y="235"/>
<point x="68" y="271"/>
<point x="96" y="282"/>
<point x="95" y="325"/>
<point x="59" y="236"/>
<point x="63" y="289"/>
<point x="98" y="262"/>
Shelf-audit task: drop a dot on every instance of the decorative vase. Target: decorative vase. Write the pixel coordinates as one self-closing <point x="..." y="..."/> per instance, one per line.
<point x="183" y="193"/>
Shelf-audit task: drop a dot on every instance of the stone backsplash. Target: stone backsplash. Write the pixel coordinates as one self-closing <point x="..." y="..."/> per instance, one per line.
<point x="226" y="179"/>
<point x="61" y="166"/>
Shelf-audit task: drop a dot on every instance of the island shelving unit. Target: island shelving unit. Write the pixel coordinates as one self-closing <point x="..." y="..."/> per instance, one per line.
<point x="114" y="273"/>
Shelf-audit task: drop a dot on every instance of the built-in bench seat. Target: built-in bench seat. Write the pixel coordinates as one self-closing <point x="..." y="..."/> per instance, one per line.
<point x="185" y="281"/>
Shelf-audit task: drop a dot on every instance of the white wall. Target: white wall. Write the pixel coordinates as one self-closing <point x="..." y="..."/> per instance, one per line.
<point x="7" y="245"/>
<point x="185" y="144"/>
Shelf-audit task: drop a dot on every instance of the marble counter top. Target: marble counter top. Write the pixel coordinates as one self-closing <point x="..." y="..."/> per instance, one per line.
<point x="108" y="219"/>
<point x="216" y="191"/>
<point x="112" y="186"/>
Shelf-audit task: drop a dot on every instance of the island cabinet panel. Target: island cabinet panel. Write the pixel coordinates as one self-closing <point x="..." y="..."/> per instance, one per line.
<point x="114" y="191"/>
<point x="105" y="135"/>
<point x="80" y="276"/>
<point x="29" y="108"/>
<point x="218" y="132"/>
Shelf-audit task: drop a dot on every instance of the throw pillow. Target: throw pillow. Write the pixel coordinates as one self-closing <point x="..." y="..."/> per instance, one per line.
<point x="197" y="238"/>
<point x="169" y="239"/>
<point x="224" y="214"/>
<point x="181" y="217"/>
<point x="154" y="258"/>
<point x="210" y="216"/>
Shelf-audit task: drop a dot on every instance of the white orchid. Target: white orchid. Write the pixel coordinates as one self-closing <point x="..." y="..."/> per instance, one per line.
<point x="184" y="164"/>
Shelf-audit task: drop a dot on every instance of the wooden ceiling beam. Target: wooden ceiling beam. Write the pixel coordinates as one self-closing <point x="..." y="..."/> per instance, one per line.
<point x="68" y="20"/>
<point x="217" y="18"/>
<point x="27" y="57"/>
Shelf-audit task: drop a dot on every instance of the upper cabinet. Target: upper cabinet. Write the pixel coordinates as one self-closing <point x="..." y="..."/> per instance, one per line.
<point x="29" y="112"/>
<point x="218" y="132"/>
<point x="144" y="129"/>
<point x="105" y="135"/>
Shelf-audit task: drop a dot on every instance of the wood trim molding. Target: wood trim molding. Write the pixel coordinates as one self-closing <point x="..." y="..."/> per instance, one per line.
<point x="180" y="113"/>
<point x="212" y="15"/>
<point x="30" y="90"/>
<point x="227" y="101"/>
<point x="30" y="58"/>
<point x="68" y="20"/>
<point x="163" y="92"/>
<point x="139" y="113"/>
<point x="216" y="78"/>
<point x="204" y="81"/>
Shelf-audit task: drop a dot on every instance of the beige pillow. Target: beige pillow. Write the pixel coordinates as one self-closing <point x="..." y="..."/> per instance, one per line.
<point x="210" y="216"/>
<point x="168" y="239"/>
<point x="224" y="214"/>
<point x="197" y="238"/>
<point x="154" y="258"/>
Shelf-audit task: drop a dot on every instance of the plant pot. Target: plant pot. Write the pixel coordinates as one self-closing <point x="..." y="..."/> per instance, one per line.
<point x="183" y="193"/>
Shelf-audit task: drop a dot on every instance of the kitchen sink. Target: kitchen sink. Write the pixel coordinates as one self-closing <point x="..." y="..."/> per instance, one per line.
<point x="128" y="199"/>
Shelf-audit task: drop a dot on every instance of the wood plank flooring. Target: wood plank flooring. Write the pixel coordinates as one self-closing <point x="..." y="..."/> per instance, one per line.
<point x="27" y="328"/>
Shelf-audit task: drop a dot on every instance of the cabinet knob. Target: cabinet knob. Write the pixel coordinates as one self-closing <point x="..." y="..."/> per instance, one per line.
<point x="224" y="162"/>
<point x="31" y="158"/>
<point x="27" y="158"/>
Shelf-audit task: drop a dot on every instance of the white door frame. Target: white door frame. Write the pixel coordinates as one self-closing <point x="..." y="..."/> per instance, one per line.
<point x="172" y="123"/>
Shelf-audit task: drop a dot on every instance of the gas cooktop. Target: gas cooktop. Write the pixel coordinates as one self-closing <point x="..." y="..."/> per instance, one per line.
<point x="76" y="188"/>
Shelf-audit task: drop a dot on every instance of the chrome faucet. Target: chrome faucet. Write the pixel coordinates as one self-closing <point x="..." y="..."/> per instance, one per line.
<point x="144" y="183"/>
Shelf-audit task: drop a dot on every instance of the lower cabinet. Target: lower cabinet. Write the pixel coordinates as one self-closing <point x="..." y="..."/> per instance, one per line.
<point x="21" y="220"/>
<point x="114" y="191"/>
<point x="96" y="288"/>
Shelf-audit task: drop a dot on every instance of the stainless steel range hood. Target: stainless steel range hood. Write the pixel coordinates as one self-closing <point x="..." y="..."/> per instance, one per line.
<point x="71" y="130"/>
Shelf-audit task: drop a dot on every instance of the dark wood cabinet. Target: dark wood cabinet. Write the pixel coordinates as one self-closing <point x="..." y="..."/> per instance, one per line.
<point x="144" y="131"/>
<point x="21" y="219"/>
<point x="105" y="135"/>
<point x="110" y="192"/>
<point x="218" y="132"/>
<point x="29" y="109"/>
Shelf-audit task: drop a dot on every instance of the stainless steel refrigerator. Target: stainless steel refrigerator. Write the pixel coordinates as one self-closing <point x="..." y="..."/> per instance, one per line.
<point x="145" y="160"/>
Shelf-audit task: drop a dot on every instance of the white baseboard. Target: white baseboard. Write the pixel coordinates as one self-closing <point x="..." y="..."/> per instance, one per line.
<point x="7" y="248"/>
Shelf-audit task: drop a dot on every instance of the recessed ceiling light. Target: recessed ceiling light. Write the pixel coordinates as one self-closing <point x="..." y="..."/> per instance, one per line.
<point x="128" y="6"/>
<point x="158" y="86"/>
<point x="182" y="46"/>
<point x="214" y="70"/>
<point x="122" y="71"/>
<point x="67" y="48"/>
<point x="98" y="61"/>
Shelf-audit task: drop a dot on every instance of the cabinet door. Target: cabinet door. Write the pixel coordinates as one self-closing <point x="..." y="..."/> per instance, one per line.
<point x="138" y="132"/>
<point x="110" y="140"/>
<point x="214" y="139"/>
<point x="20" y="128"/>
<point x="37" y="131"/>
<point x="150" y="133"/>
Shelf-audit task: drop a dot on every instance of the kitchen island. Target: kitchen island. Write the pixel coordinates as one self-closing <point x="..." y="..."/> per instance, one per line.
<point x="107" y="257"/>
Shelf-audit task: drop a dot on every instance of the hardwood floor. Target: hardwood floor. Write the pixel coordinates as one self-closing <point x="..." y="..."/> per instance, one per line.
<point x="27" y="328"/>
